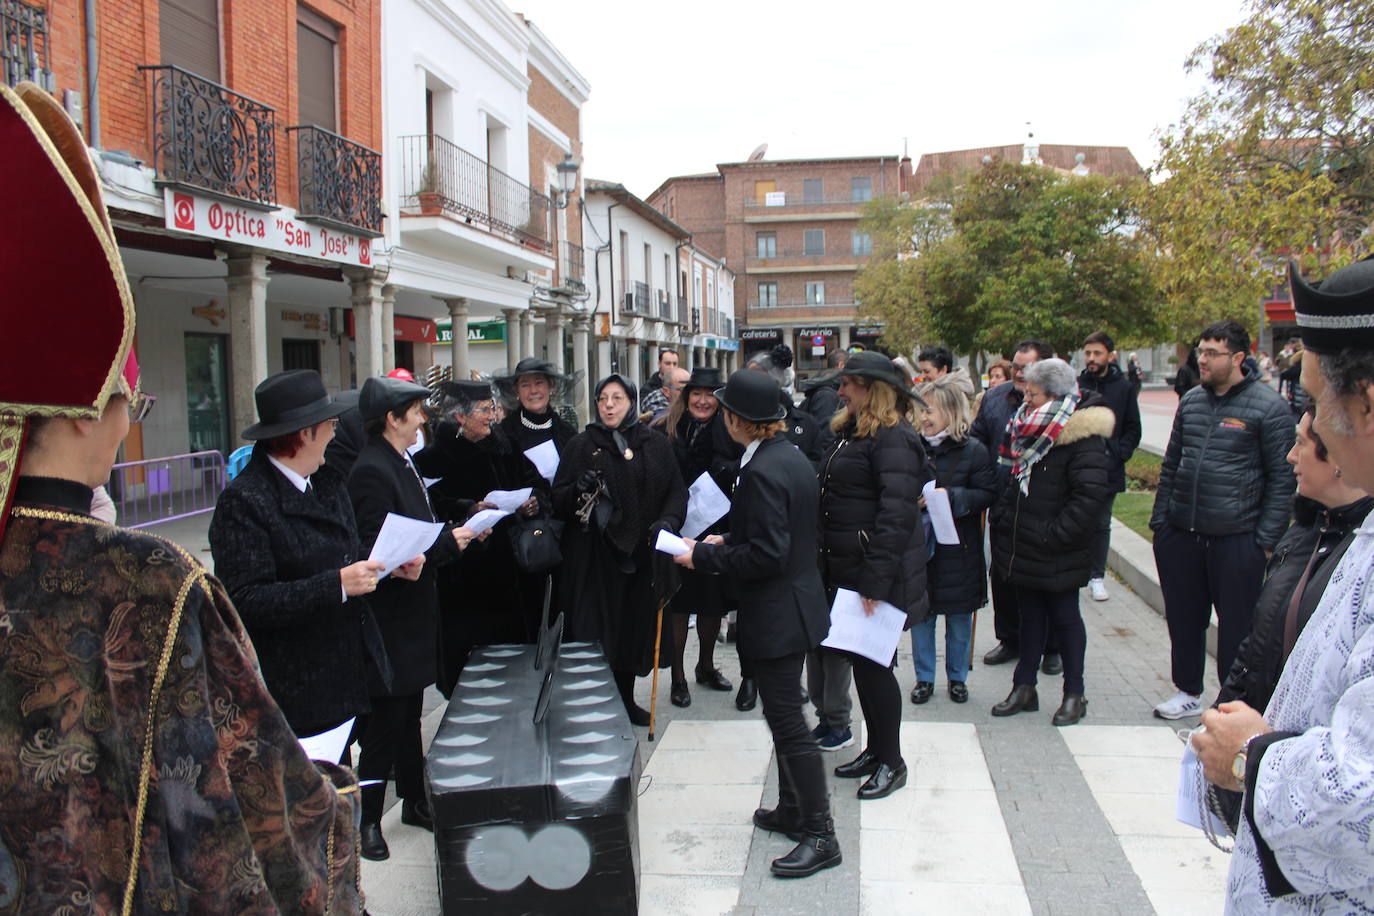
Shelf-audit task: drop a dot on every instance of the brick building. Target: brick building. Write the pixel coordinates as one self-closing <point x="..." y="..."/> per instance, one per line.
<point x="789" y="228"/>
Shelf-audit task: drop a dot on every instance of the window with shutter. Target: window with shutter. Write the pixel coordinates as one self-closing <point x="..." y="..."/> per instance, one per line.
<point x="316" y="40"/>
<point x="189" y="36"/>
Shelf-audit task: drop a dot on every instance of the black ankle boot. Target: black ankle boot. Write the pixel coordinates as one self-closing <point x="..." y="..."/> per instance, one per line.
<point x="417" y="814"/>
<point x="866" y="764"/>
<point x="884" y="781"/>
<point x="748" y="696"/>
<point x="1022" y="698"/>
<point x="818" y="848"/>
<point x="371" y="843"/>
<point x="1071" y="710"/>
<point x="786" y="817"/>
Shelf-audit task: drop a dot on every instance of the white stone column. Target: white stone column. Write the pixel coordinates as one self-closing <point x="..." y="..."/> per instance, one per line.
<point x="553" y="337"/>
<point x="527" y="334"/>
<point x="247" y="298"/>
<point x="366" y="295"/>
<point x="513" y="333"/>
<point x="458" y="314"/>
<point x="632" y="370"/>
<point x="582" y="326"/>
<point x="844" y="337"/>
<point x="389" y="331"/>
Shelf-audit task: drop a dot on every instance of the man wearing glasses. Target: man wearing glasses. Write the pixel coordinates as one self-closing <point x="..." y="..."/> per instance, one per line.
<point x="1225" y="491"/>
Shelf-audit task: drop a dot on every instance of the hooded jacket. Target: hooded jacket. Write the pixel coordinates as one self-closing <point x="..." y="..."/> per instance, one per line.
<point x="1043" y="539"/>
<point x="1123" y="398"/>
<point x="1226" y="470"/>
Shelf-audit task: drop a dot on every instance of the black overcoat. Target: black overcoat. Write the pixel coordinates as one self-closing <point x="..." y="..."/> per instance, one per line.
<point x="957" y="573"/>
<point x="770" y="554"/>
<point x="278" y="551"/>
<point x="1123" y="398"/>
<point x="872" y="539"/>
<point x="407" y="612"/>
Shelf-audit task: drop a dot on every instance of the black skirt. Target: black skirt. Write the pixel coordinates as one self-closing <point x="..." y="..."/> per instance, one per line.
<point x="602" y="602"/>
<point x="703" y="594"/>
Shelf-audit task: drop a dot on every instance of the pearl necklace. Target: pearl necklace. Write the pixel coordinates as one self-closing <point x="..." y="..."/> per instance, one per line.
<point x="530" y="424"/>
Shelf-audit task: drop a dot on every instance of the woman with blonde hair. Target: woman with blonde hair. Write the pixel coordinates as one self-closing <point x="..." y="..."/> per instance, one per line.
<point x="872" y="541"/>
<point x="956" y="575"/>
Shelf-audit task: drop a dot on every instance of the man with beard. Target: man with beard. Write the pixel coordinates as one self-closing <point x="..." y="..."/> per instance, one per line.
<point x="1101" y="374"/>
<point x="1224" y="500"/>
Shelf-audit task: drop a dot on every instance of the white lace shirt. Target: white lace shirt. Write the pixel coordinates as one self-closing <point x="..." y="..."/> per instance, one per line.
<point x="1314" y="798"/>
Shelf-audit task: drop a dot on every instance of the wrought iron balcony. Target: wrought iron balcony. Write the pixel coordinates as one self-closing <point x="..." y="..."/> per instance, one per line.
<point x="665" y="306"/>
<point x="438" y="176"/>
<point x="340" y="181"/>
<point x="572" y="270"/>
<point x="684" y="312"/>
<point x="641" y="298"/>
<point x="24" y="43"/>
<point x="211" y="139"/>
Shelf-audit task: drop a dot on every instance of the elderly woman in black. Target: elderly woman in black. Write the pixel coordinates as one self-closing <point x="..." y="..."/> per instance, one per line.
<point x="286" y="547"/>
<point x="1044" y="522"/>
<point x="617" y="487"/>
<point x="769" y="558"/>
<point x="528" y="394"/>
<point x="697" y="432"/>
<point x="872" y="540"/>
<point x="384" y="480"/>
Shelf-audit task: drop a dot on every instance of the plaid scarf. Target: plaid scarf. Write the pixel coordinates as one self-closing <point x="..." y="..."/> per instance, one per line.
<point x="1031" y="435"/>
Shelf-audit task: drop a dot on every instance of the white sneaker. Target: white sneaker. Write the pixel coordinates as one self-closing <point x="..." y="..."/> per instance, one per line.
<point x="1098" y="589"/>
<point x="1179" y="706"/>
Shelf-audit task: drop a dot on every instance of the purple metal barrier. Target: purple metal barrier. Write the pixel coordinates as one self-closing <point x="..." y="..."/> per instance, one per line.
<point x="162" y="489"/>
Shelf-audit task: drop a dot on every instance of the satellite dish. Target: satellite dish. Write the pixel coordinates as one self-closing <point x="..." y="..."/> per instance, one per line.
<point x="757" y="154"/>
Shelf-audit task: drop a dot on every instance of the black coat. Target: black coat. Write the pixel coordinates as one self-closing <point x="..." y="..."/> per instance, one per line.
<point x="407" y="612"/>
<point x="990" y="426"/>
<point x="770" y="554"/>
<point x="278" y="551"/>
<point x="525" y="437"/>
<point x="956" y="573"/>
<point x="872" y="539"/>
<point x="1123" y="398"/>
<point x="822" y="398"/>
<point x="812" y="438"/>
<point x="1043" y="539"/>
<point x="1226" y="469"/>
<point x="349" y="437"/>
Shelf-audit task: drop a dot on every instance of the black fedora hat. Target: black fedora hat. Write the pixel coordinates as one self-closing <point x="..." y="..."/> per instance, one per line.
<point x="752" y="396"/>
<point x="381" y="395"/>
<point x="289" y="401"/>
<point x="703" y="377"/>
<point x="869" y="364"/>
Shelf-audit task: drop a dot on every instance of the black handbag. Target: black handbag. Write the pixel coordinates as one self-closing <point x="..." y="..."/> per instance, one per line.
<point x="534" y="542"/>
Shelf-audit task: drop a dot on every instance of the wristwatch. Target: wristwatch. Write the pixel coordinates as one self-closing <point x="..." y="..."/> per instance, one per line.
<point x="1238" y="764"/>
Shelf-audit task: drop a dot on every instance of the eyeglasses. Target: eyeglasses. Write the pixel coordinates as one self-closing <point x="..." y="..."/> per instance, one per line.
<point x="488" y="408"/>
<point x="1211" y="354"/>
<point x="613" y="399"/>
<point x="140" y="405"/>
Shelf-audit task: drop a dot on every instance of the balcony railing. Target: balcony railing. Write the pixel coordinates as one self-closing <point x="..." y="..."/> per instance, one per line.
<point x="641" y="298"/>
<point x="801" y="200"/>
<point x="572" y="277"/>
<point x="24" y="43"/>
<point x="799" y="303"/>
<point x="696" y="320"/>
<point x="438" y="175"/>
<point x="212" y="139"/>
<point x="340" y="181"/>
<point x="665" y="306"/>
<point x="684" y="312"/>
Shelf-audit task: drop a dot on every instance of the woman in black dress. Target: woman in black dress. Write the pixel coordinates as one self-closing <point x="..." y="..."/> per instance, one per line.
<point x="617" y="487"/>
<point x="697" y="432"/>
<point x="528" y="395"/>
<point x="872" y="540"/>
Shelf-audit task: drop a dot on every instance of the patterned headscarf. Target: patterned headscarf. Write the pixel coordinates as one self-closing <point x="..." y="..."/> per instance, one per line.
<point x="1031" y="435"/>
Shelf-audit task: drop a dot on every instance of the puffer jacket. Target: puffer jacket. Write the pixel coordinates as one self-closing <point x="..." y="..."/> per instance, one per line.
<point x="990" y="426"/>
<point x="872" y="540"/>
<point x="1122" y="397"/>
<point x="1044" y="538"/>
<point x="956" y="573"/>
<point x="1226" y="470"/>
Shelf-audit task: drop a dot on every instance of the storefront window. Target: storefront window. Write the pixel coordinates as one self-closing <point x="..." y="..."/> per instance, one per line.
<point x="207" y="392"/>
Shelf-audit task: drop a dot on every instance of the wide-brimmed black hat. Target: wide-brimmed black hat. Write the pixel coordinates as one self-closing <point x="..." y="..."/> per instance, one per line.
<point x="869" y="364"/>
<point x="289" y="401"/>
<point x="382" y="395"/>
<point x="1336" y="313"/>
<point x="752" y="396"/>
<point x="703" y="377"/>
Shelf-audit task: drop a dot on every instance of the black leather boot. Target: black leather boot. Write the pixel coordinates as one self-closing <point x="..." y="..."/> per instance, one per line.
<point x="786" y="817"/>
<point x="884" y="781"/>
<point x="818" y="848"/>
<point x="1074" y="707"/>
<point x="417" y="814"/>
<point x="1022" y="698"/>
<point x="371" y="843"/>
<point x="748" y="696"/>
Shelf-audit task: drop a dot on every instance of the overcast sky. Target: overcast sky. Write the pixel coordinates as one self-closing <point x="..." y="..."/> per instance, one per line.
<point x="679" y="87"/>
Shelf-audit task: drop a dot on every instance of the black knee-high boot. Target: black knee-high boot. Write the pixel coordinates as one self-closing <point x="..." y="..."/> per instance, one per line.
<point x="786" y="817"/>
<point x="818" y="847"/>
<point x="625" y="683"/>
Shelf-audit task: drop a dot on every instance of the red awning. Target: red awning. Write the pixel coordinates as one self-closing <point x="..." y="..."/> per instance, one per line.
<point x="417" y="330"/>
<point x="1280" y="312"/>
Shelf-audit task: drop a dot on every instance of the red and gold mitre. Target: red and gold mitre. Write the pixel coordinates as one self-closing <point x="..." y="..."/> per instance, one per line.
<point x="66" y="334"/>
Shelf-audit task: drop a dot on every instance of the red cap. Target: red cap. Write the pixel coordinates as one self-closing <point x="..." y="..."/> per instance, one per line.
<point x="401" y="373"/>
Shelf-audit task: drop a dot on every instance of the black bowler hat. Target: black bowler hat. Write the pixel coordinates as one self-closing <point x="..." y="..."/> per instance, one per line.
<point x="869" y="364"/>
<point x="1336" y="313"/>
<point x="703" y="377"/>
<point x="752" y="396"/>
<point x="383" y="395"/>
<point x="289" y="401"/>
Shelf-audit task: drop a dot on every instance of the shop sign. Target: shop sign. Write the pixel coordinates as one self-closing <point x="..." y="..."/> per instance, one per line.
<point x="479" y="332"/>
<point x="275" y="230"/>
<point x="818" y="332"/>
<point x="760" y="333"/>
<point x="309" y="321"/>
<point x="869" y="330"/>
<point x="415" y="330"/>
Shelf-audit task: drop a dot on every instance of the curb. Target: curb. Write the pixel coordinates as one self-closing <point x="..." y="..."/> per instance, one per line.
<point x="1132" y="558"/>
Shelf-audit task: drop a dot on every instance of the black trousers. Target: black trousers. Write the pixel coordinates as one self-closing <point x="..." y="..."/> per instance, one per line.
<point x="880" y="697"/>
<point x="778" y="680"/>
<point x="1044" y="612"/>
<point x="1006" y="615"/>
<point x="1102" y="539"/>
<point x="1198" y="572"/>
<point x="390" y="738"/>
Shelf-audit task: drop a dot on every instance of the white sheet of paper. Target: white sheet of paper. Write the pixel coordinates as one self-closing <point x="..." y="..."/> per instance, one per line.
<point x="484" y="520"/>
<point x="509" y="500"/>
<point x="328" y="745"/>
<point x="1187" y="808"/>
<point x="854" y="631"/>
<point x="544" y="456"/>
<point x="670" y="544"/>
<point x="402" y="539"/>
<point x="706" y="504"/>
<point x="941" y="517"/>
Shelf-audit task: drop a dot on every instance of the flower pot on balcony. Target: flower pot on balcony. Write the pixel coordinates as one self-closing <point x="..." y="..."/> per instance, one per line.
<point x="431" y="204"/>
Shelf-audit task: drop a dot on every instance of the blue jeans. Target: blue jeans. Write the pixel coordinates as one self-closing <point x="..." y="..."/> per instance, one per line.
<point x="958" y="636"/>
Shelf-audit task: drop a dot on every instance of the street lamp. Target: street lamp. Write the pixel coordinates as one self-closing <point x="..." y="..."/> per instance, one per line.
<point x="567" y="180"/>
